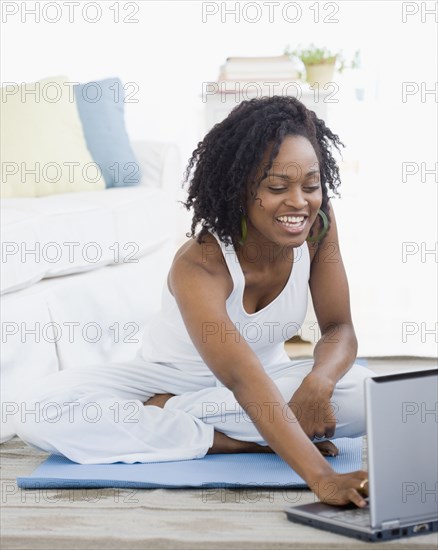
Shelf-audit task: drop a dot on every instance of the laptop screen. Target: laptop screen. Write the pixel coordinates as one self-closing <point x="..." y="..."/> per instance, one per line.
<point x="402" y="427"/>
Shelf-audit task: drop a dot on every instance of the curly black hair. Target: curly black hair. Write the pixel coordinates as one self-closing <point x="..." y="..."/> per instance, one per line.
<point x="227" y="158"/>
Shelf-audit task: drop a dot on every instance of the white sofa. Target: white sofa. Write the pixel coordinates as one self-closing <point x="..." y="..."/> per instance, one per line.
<point x="95" y="277"/>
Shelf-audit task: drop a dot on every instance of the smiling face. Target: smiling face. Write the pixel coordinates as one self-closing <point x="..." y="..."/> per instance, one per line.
<point x="288" y="199"/>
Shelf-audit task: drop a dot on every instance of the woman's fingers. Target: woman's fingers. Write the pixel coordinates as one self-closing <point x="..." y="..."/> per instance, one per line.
<point x="324" y="433"/>
<point x="361" y="490"/>
<point x="330" y="432"/>
<point x="356" y="498"/>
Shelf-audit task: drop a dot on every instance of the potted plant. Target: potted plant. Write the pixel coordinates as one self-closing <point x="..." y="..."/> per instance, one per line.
<point x="320" y="63"/>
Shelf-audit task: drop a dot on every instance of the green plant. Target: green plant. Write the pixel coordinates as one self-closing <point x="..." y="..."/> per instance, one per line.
<point x="322" y="56"/>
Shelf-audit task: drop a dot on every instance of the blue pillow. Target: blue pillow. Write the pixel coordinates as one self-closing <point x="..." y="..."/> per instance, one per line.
<point x="101" y="109"/>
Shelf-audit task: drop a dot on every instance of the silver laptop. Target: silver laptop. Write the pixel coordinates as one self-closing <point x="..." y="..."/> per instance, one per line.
<point x="402" y="428"/>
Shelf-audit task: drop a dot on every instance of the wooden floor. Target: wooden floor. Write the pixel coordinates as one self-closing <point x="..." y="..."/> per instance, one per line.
<point x="163" y="518"/>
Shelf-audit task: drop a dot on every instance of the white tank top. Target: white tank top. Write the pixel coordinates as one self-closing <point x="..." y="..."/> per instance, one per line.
<point x="166" y="340"/>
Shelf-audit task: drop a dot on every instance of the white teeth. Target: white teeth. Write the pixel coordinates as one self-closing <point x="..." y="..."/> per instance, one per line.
<point x="290" y="219"/>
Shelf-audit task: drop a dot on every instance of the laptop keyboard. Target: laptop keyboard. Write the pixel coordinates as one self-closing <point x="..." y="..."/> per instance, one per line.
<point x="359" y="516"/>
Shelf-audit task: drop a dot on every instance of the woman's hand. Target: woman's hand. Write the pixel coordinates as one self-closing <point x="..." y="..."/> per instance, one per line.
<point x="312" y="407"/>
<point x="341" y="489"/>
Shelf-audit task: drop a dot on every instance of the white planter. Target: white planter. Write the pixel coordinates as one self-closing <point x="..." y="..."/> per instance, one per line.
<point x="322" y="74"/>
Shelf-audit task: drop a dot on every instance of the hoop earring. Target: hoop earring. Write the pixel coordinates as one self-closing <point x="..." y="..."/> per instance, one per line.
<point x="321" y="235"/>
<point x="244" y="229"/>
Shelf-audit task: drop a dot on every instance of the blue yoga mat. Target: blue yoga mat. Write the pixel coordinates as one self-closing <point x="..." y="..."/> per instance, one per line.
<point x="221" y="470"/>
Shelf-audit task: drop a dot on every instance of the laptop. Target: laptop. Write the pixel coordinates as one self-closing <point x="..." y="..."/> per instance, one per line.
<point x="402" y="428"/>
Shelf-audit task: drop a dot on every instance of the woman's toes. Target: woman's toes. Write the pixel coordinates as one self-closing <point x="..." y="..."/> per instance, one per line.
<point x="327" y="448"/>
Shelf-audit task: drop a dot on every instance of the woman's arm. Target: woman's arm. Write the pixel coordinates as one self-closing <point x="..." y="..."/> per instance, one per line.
<point x="201" y="296"/>
<point x="336" y="349"/>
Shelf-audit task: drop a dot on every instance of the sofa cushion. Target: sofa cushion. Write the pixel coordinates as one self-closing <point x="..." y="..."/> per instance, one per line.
<point x="43" y="148"/>
<point x="75" y="232"/>
<point x="101" y="108"/>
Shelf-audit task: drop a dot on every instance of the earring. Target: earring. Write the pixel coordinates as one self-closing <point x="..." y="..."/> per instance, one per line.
<point x="321" y="235"/>
<point x="243" y="228"/>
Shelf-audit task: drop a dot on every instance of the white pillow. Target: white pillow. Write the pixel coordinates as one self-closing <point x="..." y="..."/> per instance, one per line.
<point x="41" y="132"/>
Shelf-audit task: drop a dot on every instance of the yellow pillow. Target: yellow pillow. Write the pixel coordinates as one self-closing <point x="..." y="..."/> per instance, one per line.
<point x="43" y="149"/>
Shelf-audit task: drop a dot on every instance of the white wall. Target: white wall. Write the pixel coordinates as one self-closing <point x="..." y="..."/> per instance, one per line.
<point x="170" y="52"/>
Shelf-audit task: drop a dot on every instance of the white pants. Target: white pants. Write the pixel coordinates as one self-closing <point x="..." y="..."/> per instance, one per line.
<point x="96" y="414"/>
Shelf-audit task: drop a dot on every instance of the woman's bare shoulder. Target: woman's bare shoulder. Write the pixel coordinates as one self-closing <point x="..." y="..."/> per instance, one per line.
<point x="206" y="256"/>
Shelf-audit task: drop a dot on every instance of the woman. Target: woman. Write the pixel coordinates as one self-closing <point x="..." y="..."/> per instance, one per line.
<point x="212" y="372"/>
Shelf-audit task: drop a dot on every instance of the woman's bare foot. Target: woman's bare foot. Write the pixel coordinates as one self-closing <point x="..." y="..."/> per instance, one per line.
<point x="159" y="400"/>
<point x="224" y="444"/>
<point x="327" y="448"/>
